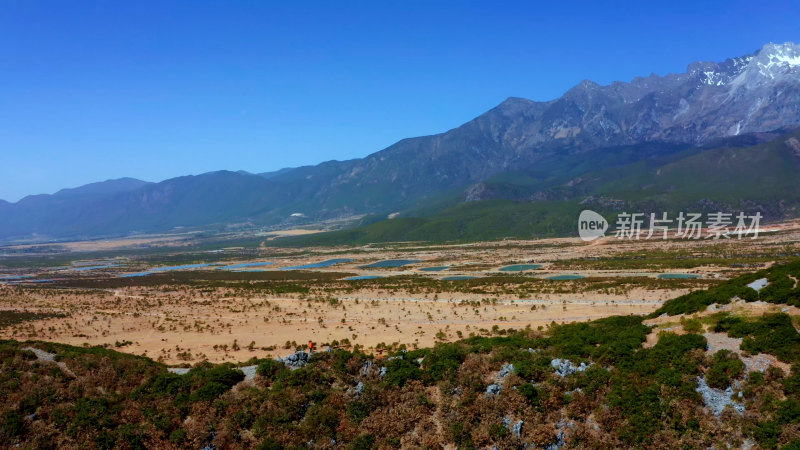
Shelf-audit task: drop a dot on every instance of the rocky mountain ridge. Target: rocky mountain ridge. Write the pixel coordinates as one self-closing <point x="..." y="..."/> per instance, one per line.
<point x="589" y="127"/>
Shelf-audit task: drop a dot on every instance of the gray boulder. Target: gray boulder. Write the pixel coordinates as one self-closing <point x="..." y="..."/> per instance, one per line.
<point x="366" y="367"/>
<point x="296" y="360"/>
<point x="357" y="390"/>
<point x="564" y="367"/>
<point x="516" y="430"/>
<point x="507" y="370"/>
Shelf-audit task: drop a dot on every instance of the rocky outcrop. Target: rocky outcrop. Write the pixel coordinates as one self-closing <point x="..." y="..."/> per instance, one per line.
<point x="564" y="367"/>
<point x="496" y="387"/>
<point x="296" y="360"/>
<point x="717" y="399"/>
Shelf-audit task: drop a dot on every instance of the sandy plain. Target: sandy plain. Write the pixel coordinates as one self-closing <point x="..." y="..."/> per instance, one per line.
<point x="185" y="324"/>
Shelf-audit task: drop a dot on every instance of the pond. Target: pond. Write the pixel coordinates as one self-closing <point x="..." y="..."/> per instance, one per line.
<point x="14" y="277"/>
<point x="673" y="276"/>
<point x="434" y="269"/>
<point x="168" y="269"/>
<point x="520" y="267"/>
<point x="107" y="266"/>
<point x="390" y="263"/>
<point x="318" y="265"/>
<point x="459" y="278"/>
<point x="244" y="265"/>
<point x="566" y="277"/>
<point x="363" y="277"/>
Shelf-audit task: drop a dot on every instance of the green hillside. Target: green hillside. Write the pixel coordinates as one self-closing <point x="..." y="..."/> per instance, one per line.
<point x="486" y="220"/>
<point x="763" y="177"/>
<point x="767" y="173"/>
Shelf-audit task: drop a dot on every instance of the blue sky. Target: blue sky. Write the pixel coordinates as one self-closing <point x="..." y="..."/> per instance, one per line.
<point x="155" y="89"/>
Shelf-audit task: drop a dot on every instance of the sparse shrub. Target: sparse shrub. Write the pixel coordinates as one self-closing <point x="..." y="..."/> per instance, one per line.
<point x="178" y="436"/>
<point x="529" y="391"/>
<point x="772" y="333"/>
<point x="725" y="366"/>
<point x="767" y="433"/>
<point x="400" y="371"/>
<point x="364" y="442"/>
<point x="692" y="325"/>
<point x="269" y="368"/>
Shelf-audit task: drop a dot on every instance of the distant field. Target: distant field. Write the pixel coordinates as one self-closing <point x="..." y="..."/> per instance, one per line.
<point x="205" y="312"/>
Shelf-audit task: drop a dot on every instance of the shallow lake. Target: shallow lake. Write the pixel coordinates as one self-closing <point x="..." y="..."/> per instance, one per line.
<point x="244" y="265"/>
<point x="434" y="269"/>
<point x="168" y="269"/>
<point x="107" y="266"/>
<point x="672" y="276"/>
<point x="459" y="278"/>
<point x="390" y="263"/>
<point x="14" y="277"/>
<point x="318" y="265"/>
<point x="520" y="267"/>
<point x="566" y="277"/>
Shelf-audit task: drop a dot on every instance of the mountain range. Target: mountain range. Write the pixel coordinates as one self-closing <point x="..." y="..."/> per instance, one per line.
<point x="718" y="135"/>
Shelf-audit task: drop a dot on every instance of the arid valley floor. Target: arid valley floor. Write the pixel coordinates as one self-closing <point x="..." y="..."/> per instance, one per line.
<point x="230" y="305"/>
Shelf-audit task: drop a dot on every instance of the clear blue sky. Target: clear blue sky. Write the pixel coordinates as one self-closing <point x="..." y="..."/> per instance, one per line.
<point x="155" y="89"/>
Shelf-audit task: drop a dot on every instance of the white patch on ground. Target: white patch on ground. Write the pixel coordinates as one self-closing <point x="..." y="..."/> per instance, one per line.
<point x="46" y="357"/>
<point x="717" y="399"/>
<point x="758" y="362"/>
<point x="249" y="372"/>
<point x="41" y="354"/>
<point x="759" y="284"/>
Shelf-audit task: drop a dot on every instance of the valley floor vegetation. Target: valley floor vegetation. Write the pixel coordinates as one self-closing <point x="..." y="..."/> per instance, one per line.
<point x="595" y="384"/>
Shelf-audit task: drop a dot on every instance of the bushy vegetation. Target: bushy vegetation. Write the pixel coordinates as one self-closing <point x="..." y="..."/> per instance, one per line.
<point x="634" y="396"/>
<point x="472" y="221"/>
<point x="782" y="288"/>
<point x="470" y="393"/>
<point x="726" y="366"/>
<point x="772" y="333"/>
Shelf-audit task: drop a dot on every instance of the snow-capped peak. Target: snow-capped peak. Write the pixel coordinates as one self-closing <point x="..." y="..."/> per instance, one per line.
<point x="787" y="53"/>
<point x="773" y="63"/>
<point x="775" y="58"/>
